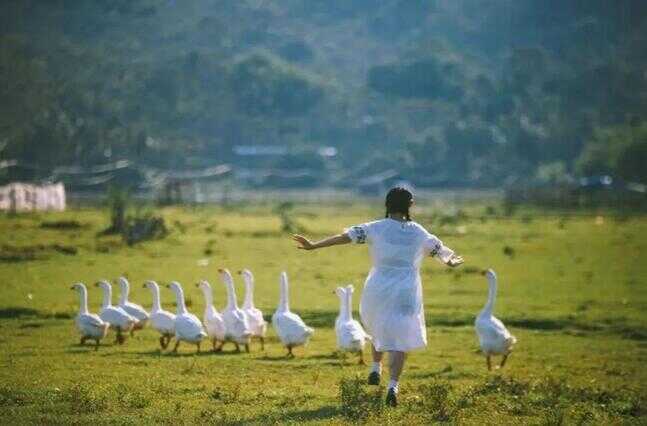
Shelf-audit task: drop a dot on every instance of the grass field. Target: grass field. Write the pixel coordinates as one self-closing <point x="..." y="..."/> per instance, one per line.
<point x="572" y="289"/>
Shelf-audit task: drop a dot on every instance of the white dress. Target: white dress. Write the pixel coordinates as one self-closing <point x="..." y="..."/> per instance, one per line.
<point x="391" y="307"/>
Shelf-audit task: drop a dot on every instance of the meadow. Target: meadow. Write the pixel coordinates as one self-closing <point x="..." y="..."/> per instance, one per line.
<point x="571" y="288"/>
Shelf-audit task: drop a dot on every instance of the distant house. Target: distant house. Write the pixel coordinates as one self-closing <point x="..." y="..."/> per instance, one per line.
<point x="181" y="186"/>
<point x="122" y="173"/>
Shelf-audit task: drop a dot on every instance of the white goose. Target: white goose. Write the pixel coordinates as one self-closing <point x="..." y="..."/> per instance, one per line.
<point x="133" y="309"/>
<point x="188" y="327"/>
<point x="161" y="320"/>
<point x="351" y="336"/>
<point x="494" y="338"/>
<point x="213" y="320"/>
<point x="236" y="325"/>
<point x="119" y="319"/>
<point x="90" y="325"/>
<point x="257" y="323"/>
<point x="291" y="329"/>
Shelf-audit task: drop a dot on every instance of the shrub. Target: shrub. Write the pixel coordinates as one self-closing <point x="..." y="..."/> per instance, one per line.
<point x="358" y="403"/>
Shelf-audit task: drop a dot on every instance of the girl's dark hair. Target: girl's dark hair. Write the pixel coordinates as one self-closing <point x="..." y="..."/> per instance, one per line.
<point x="398" y="200"/>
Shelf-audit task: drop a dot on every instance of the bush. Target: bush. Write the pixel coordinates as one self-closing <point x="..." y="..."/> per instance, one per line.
<point x="358" y="403"/>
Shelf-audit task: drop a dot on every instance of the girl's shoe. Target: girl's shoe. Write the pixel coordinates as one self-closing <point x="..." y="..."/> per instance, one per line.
<point x="392" y="398"/>
<point x="374" y="378"/>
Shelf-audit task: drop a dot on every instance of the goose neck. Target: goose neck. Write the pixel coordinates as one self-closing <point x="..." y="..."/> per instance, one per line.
<point x="231" y="295"/>
<point x="124" y="288"/>
<point x="284" y="304"/>
<point x="249" y="293"/>
<point x="83" y="300"/>
<point x="348" y="305"/>
<point x="179" y="301"/>
<point x="107" y="296"/>
<point x="208" y="295"/>
<point x="492" y="287"/>
<point x="156" y="298"/>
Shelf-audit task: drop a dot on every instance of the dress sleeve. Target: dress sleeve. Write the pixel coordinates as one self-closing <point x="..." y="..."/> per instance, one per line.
<point x="437" y="249"/>
<point x="359" y="234"/>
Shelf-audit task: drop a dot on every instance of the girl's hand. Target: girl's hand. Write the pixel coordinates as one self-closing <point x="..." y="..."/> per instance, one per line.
<point x="304" y="243"/>
<point x="455" y="261"/>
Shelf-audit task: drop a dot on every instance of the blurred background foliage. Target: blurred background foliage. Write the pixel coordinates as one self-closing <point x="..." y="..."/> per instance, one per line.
<point x="460" y="93"/>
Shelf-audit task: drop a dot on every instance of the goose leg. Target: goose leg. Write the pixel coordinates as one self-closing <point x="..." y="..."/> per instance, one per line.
<point x="489" y="362"/>
<point x="83" y="339"/>
<point x="120" y="337"/>
<point x="162" y="342"/>
<point x="132" y="332"/>
<point x="247" y="347"/>
<point x="198" y="344"/>
<point x="96" y="346"/>
<point x="237" y="347"/>
<point x="262" y="343"/>
<point x="177" y="343"/>
<point x="290" y="354"/>
<point x="361" y="357"/>
<point x="505" y="358"/>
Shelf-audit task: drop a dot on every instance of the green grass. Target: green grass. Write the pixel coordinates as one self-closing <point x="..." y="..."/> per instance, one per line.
<point x="572" y="289"/>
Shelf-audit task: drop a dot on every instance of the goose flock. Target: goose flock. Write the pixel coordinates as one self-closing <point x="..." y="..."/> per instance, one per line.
<point x="239" y="325"/>
<point x="234" y="324"/>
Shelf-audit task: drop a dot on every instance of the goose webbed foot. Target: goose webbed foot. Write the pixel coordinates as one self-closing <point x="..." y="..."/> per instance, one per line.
<point x="290" y="354"/>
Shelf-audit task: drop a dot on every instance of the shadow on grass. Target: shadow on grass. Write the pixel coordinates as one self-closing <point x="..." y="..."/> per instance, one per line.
<point x="609" y="326"/>
<point x="79" y="348"/>
<point x="326" y="412"/>
<point x="18" y="312"/>
<point x="446" y="372"/>
<point x="156" y="353"/>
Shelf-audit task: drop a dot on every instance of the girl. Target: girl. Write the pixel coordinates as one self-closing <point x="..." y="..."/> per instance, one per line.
<point x="391" y="306"/>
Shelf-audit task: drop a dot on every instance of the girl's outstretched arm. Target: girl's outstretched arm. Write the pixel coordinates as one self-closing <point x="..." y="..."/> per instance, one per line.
<point x="306" y="244"/>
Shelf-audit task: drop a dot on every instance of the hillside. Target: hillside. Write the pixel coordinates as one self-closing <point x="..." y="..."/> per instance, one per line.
<point x="470" y="92"/>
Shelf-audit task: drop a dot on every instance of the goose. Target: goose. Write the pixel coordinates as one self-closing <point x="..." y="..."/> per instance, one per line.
<point x="213" y="320"/>
<point x="257" y="323"/>
<point x="494" y="338"/>
<point x="351" y="336"/>
<point x="291" y="329"/>
<point x="236" y="325"/>
<point x="188" y="327"/>
<point x="119" y="319"/>
<point x="161" y="320"/>
<point x="90" y="325"/>
<point x="133" y="309"/>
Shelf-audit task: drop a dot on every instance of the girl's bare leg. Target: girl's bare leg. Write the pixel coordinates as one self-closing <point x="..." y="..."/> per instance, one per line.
<point x="396" y="363"/>
<point x="376" y="367"/>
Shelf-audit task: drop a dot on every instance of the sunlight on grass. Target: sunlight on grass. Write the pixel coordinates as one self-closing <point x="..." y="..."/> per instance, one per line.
<point x="570" y="290"/>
